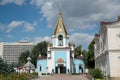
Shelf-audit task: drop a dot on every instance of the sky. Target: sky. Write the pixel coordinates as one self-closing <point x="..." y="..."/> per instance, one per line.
<point x="35" y="20"/>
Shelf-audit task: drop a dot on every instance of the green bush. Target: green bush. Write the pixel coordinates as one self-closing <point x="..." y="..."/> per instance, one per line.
<point x="96" y="73"/>
<point x="45" y="73"/>
<point x="34" y="74"/>
<point x="75" y="73"/>
<point x="2" y="77"/>
<point x="5" y="68"/>
<point x="17" y="76"/>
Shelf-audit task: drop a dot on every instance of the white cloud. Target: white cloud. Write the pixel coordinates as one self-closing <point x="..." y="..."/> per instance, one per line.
<point x="40" y="39"/>
<point x="38" y="3"/>
<point x="79" y="14"/>
<point x="29" y="27"/>
<point x="13" y="25"/>
<point x="81" y="39"/>
<point x="26" y="25"/>
<point x="1" y="28"/>
<point x="17" y="2"/>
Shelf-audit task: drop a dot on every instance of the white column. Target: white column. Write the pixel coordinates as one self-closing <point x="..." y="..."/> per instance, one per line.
<point x="53" y="60"/>
<point x="56" y="42"/>
<point x="58" y="70"/>
<point x="68" y="61"/>
<point x="64" y="42"/>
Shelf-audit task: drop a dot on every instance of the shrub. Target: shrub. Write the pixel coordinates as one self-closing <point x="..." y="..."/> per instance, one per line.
<point x="96" y="73"/>
<point x="1" y="76"/>
<point x="34" y="74"/>
<point x="17" y="76"/>
<point x="75" y="73"/>
<point x="45" y="73"/>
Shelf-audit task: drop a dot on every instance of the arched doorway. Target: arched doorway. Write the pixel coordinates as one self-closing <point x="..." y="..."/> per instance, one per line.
<point x="80" y="68"/>
<point x="60" y="68"/>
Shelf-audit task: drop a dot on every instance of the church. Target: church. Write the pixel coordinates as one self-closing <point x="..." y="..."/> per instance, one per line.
<point x="60" y="53"/>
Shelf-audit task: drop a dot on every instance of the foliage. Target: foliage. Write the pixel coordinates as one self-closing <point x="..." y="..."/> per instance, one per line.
<point x="18" y="76"/>
<point x="5" y="68"/>
<point x="78" y="50"/>
<point x="45" y="73"/>
<point x="1" y="76"/>
<point x="96" y="73"/>
<point x="35" y="74"/>
<point x="75" y="73"/>
<point x="23" y="57"/>
<point x="40" y="48"/>
<point x="88" y="55"/>
<point x="90" y="62"/>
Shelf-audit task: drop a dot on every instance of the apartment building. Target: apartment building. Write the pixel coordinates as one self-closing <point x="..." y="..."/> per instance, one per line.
<point x="10" y="52"/>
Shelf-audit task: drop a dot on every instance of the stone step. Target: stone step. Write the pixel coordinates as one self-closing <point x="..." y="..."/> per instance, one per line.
<point x="61" y="74"/>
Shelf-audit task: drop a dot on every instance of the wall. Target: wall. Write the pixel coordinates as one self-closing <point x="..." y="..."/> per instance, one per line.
<point x="43" y="64"/>
<point x="114" y="38"/>
<point x="60" y="54"/>
<point x="77" y="62"/>
<point x="1" y="50"/>
<point x="114" y="57"/>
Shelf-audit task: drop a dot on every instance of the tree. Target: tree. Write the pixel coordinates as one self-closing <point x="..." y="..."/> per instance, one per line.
<point x="5" y="68"/>
<point x="78" y="50"/>
<point x="23" y="57"/>
<point x="40" y="48"/>
<point x="90" y="62"/>
<point x="96" y="73"/>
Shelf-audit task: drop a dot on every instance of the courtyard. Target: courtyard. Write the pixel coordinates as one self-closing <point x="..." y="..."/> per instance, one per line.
<point x="62" y="77"/>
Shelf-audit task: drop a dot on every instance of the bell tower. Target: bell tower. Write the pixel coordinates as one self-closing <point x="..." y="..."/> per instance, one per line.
<point x="60" y="53"/>
<point x="60" y="37"/>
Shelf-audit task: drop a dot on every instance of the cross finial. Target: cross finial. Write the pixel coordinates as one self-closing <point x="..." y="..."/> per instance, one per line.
<point x="60" y="6"/>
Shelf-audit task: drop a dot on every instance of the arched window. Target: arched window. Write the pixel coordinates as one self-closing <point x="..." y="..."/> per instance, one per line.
<point x="60" y="40"/>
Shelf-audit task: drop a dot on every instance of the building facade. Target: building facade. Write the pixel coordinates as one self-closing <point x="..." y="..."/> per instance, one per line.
<point x="60" y="53"/>
<point x="107" y="49"/>
<point x="10" y="52"/>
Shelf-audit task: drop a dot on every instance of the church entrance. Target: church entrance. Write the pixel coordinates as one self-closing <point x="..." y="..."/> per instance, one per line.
<point x="60" y="69"/>
<point x="80" y="69"/>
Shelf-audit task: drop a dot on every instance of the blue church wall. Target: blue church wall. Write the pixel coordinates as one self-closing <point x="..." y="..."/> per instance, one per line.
<point x="77" y="63"/>
<point x="43" y="64"/>
<point x="60" y="54"/>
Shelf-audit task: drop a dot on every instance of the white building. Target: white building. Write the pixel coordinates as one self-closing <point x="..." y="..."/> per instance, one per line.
<point x="10" y="52"/>
<point x="107" y="49"/>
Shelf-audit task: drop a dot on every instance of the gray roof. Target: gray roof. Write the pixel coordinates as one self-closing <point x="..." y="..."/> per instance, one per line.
<point x="29" y="64"/>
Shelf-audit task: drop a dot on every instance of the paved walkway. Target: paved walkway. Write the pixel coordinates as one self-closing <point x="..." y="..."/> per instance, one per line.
<point x="65" y="77"/>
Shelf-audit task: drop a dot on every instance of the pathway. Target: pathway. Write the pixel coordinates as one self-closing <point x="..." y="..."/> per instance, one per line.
<point x="63" y="77"/>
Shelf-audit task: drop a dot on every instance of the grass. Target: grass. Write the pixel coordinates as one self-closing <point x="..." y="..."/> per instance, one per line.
<point x="98" y="79"/>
